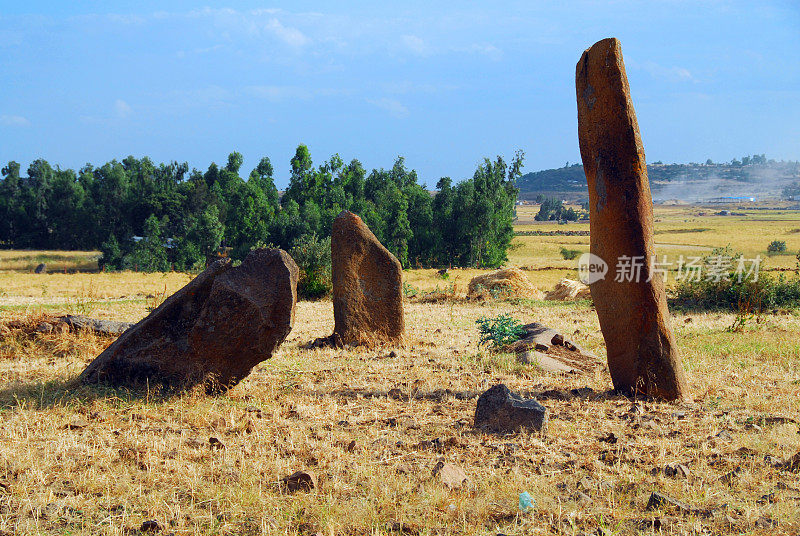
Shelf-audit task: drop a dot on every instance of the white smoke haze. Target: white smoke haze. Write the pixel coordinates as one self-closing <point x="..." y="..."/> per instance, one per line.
<point x="760" y="182"/>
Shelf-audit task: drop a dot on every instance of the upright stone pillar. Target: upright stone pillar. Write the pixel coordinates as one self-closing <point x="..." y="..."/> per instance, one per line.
<point x="367" y="285"/>
<point x="632" y="308"/>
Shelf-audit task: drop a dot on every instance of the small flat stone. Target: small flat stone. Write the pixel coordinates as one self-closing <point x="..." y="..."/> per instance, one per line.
<point x="304" y="480"/>
<point x="77" y="423"/>
<point x="659" y="500"/>
<point x="150" y="525"/>
<point x="582" y="498"/>
<point x="676" y="470"/>
<point x="724" y="435"/>
<point x="451" y="475"/>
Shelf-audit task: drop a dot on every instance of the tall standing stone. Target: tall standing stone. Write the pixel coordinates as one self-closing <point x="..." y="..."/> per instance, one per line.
<point x="367" y="285"/>
<point x="642" y="354"/>
<point x="212" y="331"/>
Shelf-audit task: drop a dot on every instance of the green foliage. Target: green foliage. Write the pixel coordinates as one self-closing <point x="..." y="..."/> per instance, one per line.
<point x="500" y="331"/>
<point x="111" y="253"/>
<point x="186" y="218"/>
<point x="150" y="253"/>
<point x="409" y="290"/>
<point x="570" y="254"/>
<point x="313" y="257"/>
<point x="736" y="292"/>
<point x="776" y="246"/>
<point x="552" y="208"/>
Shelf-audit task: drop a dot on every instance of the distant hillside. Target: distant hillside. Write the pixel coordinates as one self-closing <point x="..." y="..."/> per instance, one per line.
<point x="751" y="177"/>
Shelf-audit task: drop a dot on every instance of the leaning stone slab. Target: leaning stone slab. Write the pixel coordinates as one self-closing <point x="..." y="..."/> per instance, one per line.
<point x="367" y="285"/>
<point x="551" y="351"/>
<point x="501" y="411"/>
<point x="632" y="309"/>
<point x="211" y="332"/>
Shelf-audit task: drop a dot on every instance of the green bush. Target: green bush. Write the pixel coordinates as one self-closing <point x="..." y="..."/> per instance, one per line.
<point x="500" y="331"/>
<point x="313" y="257"/>
<point x="409" y="290"/>
<point x="737" y="291"/>
<point x="776" y="246"/>
<point x="570" y="254"/>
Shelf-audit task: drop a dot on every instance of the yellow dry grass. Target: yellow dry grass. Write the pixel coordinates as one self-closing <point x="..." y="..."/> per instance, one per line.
<point x="372" y="427"/>
<point x="141" y="456"/>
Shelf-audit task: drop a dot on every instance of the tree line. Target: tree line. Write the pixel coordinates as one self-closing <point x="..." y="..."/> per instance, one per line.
<point x="157" y="217"/>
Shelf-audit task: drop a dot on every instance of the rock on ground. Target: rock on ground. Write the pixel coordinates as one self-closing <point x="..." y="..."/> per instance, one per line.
<point x="568" y="289"/>
<point x="505" y="283"/>
<point x="451" y="475"/>
<point x="632" y="309"/>
<point x="501" y="411"/>
<point x="102" y="327"/>
<point x="300" y="481"/>
<point x="212" y="331"/>
<point x="551" y="351"/>
<point x="367" y="285"/>
<point x="40" y="269"/>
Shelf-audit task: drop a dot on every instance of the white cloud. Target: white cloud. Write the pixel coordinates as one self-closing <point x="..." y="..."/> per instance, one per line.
<point x="420" y="47"/>
<point x="266" y="11"/>
<point x="122" y="109"/>
<point x="125" y="19"/>
<point x="486" y="50"/>
<point x="676" y="74"/>
<point x="416" y="44"/>
<point x="14" y="121"/>
<point x="291" y="36"/>
<point x="283" y="93"/>
<point x="394" y="107"/>
<point x="406" y="86"/>
<point x="276" y="93"/>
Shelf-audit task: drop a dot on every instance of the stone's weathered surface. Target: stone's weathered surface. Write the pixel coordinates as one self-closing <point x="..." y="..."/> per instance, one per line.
<point x="499" y="410"/>
<point x="40" y="269"/>
<point x="642" y="354"/>
<point x="551" y="351"/>
<point x="367" y="285"/>
<point x="503" y="283"/>
<point x="101" y="327"/>
<point x="213" y="331"/>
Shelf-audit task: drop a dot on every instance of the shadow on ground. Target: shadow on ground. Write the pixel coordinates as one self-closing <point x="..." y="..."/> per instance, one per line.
<point x="70" y="392"/>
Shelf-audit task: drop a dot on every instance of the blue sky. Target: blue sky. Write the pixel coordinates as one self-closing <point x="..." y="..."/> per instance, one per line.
<point x="443" y="84"/>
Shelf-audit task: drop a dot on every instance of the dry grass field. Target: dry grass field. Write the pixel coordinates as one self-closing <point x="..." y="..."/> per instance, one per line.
<point x="372" y="426"/>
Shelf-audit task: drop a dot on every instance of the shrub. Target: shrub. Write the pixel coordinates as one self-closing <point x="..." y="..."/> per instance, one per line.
<point x="570" y="254"/>
<point x="111" y="254"/>
<point x="313" y="257"/>
<point x="776" y="246"/>
<point x="735" y="293"/>
<point x="500" y="331"/>
<point x="409" y="290"/>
